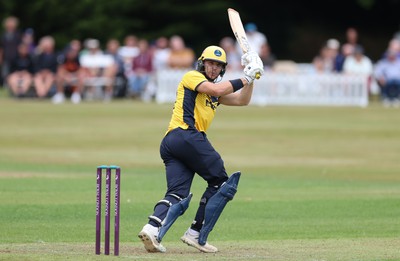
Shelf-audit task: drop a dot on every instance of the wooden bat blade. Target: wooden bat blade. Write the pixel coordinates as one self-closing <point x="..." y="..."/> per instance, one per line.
<point x="238" y="30"/>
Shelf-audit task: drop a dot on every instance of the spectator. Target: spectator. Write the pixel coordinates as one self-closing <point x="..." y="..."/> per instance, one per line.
<point x="387" y="75"/>
<point x="232" y="55"/>
<point x="21" y="71"/>
<point x="352" y="37"/>
<point x="328" y="54"/>
<point x="99" y="70"/>
<point x="130" y="47"/>
<point x="113" y="45"/>
<point x="128" y="51"/>
<point x="69" y="77"/>
<point x="46" y="64"/>
<point x="142" y="68"/>
<point x="112" y="48"/>
<point x="9" y="42"/>
<point x="180" y="56"/>
<point x="161" y="53"/>
<point x="256" y="39"/>
<point x="267" y="57"/>
<point x="74" y="44"/>
<point x="318" y="65"/>
<point x="394" y="46"/>
<point x="358" y="63"/>
<point x="28" y="38"/>
<point x="346" y="50"/>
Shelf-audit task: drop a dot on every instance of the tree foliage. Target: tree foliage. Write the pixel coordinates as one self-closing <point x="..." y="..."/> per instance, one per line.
<point x="196" y="20"/>
<point x="289" y="25"/>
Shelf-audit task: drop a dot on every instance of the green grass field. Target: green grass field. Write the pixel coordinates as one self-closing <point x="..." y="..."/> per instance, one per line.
<point x="318" y="183"/>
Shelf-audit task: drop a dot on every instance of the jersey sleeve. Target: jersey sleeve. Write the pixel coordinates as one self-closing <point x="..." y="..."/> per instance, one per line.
<point x="192" y="79"/>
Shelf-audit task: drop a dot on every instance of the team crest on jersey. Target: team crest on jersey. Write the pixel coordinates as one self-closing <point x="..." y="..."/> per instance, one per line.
<point x="217" y="53"/>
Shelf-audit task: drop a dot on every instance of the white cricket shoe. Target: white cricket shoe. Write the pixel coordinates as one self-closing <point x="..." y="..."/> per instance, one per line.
<point x="76" y="98"/>
<point x="148" y="235"/>
<point x="191" y="237"/>
<point x="58" y="98"/>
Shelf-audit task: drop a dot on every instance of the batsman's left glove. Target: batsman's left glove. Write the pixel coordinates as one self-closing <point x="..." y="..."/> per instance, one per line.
<point x="250" y="57"/>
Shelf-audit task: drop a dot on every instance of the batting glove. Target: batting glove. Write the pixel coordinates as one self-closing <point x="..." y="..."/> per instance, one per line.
<point x="252" y="70"/>
<point x="249" y="57"/>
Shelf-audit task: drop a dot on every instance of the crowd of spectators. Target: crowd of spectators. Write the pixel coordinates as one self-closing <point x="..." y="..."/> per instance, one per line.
<point x="350" y="58"/>
<point x="84" y="70"/>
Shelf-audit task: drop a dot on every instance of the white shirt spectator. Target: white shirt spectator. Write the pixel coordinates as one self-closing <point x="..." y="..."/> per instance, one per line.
<point x="256" y="39"/>
<point x="96" y="60"/>
<point x="354" y="66"/>
<point x="128" y="52"/>
<point x="358" y="63"/>
<point x="161" y="54"/>
<point x="94" y="57"/>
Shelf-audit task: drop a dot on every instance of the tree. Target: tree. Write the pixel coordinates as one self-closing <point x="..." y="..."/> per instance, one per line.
<point x="295" y="29"/>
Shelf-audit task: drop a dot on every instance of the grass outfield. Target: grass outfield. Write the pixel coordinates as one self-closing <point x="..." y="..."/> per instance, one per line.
<point x="318" y="183"/>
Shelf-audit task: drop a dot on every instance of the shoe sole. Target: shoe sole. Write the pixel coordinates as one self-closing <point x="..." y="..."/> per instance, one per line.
<point x="148" y="243"/>
<point x="197" y="246"/>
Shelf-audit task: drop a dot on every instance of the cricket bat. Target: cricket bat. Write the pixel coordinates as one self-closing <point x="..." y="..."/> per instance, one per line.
<point x="239" y="32"/>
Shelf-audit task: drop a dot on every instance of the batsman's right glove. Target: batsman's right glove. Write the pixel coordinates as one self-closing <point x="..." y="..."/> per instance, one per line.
<point x="252" y="70"/>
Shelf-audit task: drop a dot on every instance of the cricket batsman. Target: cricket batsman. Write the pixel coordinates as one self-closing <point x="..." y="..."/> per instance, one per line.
<point x="185" y="149"/>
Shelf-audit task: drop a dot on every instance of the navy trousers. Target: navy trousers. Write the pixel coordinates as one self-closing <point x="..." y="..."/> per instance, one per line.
<point x="185" y="153"/>
<point x="391" y="90"/>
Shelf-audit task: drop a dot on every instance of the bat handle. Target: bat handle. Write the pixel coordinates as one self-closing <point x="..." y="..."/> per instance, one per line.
<point x="258" y="75"/>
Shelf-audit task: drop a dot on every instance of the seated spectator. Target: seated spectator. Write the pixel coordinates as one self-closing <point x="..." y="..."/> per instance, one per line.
<point x="358" y="63"/>
<point x="74" y="44"/>
<point x="181" y="57"/>
<point x="112" y="48"/>
<point x="387" y="75"/>
<point x="233" y="57"/>
<point x="142" y="68"/>
<point x="161" y="52"/>
<point x="318" y="65"/>
<point x="28" y="38"/>
<point x="128" y="51"/>
<point x="256" y="38"/>
<point x="346" y="50"/>
<point x="393" y="46"/>
<point x="130" y="47"/>
<point x="69" y="76"/>
<point x="326" y="57"/>
<point x="21" y="70"/>
<point x="99" y="70"/>
<point x="46" y="65"/>
<point x="330" y="52"/>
